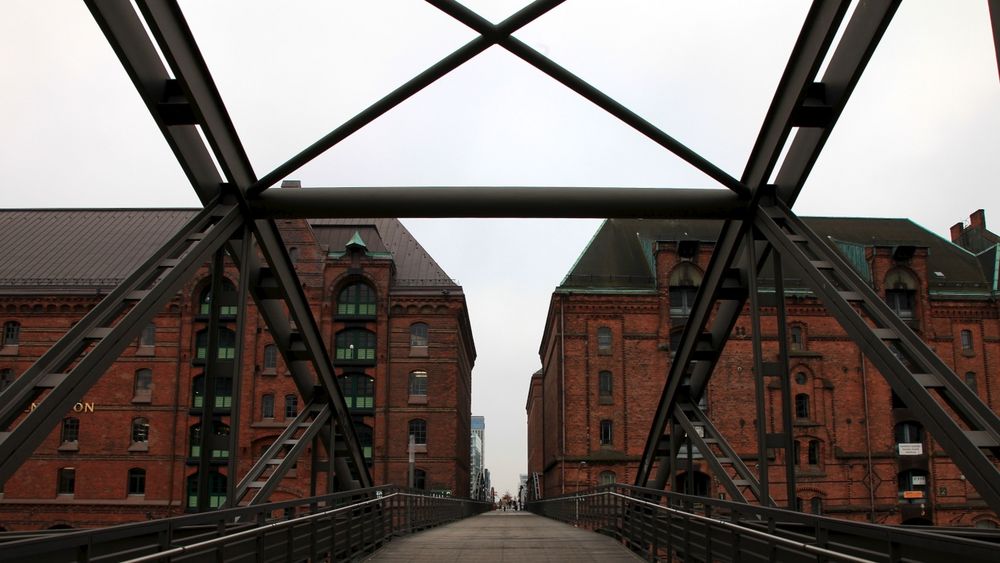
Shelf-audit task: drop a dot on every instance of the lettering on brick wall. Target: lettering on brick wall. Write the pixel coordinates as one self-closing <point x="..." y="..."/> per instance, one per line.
<point x="77" y="408"/>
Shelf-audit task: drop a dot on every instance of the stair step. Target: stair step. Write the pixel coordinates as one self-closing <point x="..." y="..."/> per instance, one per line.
<point x="99" y="333"/>
<point x="885" y="333"/>
<point x="927" y="380"/>
<point x="850" y="296"/>
<point x="137" y="295"/>
<point x="50" y="380"/>
<point x="981" y="439"/>
<point x="821" y="264"/>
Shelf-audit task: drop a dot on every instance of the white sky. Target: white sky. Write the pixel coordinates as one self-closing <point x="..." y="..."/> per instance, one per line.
<point x="919" y="139"/>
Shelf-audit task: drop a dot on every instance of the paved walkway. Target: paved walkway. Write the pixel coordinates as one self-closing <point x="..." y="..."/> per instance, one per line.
<point x="505" y="536"/>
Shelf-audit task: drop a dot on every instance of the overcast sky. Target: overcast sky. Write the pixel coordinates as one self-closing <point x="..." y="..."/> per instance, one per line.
<point x="919" y="139"/>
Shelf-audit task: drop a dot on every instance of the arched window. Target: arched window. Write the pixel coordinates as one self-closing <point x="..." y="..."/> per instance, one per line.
<point x="900" y="293"/>
<point x="227" y="344"/>
<point x="607" y="478"/>
<point x="970" y="380"/>
<point x="604" y="384"/>
<point x="70" y="430"/>
<point x="140" y="430"/>
<point x="356" y="300"/>
<point x="418" y="430"/>
<point x="418" y="335"/>
<point x="293" y="255"/>
<point x="966" y="340"/>
<point x="6" y="378"/>
<point x="66" y="481"/>
<point x="223" y="392"/>
<point x="228" y="305"/>
<point x="142" y="388"/>
<point x="603" y="340"/>
<point x="797" y="453"/>
<point x="418" y="384"/>
<point x="359" y="390"/>
<point x="684" y="282"/>
<point x="291" y="406"/>
<point x="218" y="442"/>
<point x="812" y="455"/>
<point x="136" y="481"/>
<point x="816" y="505"/>
<point x="11" y="333"/>
<point x="270" y="358"/>
<point x="419" y="479"/>
<point x="913" y="486"/>
<point x="607" y="432"/>
<point x="355" y="344"/>
<point x="217" y="484"/>
<point x="802" y="406"/>
<point x="267" y="406"/>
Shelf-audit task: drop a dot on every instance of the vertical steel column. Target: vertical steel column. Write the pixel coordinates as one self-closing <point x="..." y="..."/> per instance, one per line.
<point x="209" y="379"/>
<point x="750" y="248"/>
<point x="242" y="319"/>
<point x="786" y="392"/>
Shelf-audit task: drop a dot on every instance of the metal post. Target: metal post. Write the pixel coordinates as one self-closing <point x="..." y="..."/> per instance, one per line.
<point x="209" y="378"/>
<point x="758" y="369"/>
<point x="786" y="392"/>
<point x="242" y="318"/>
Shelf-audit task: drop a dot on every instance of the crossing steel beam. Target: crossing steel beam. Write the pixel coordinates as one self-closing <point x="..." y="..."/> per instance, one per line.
<point x="799" y="102"/>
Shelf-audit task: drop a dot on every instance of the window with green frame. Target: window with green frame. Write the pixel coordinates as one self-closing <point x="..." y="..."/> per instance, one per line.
<point x="223" y="392"/>
<point x="228" y="306"/>
<point x="227" y="344"/>
<point x="217" y="484"/>
<point x="220" y="434"/>
<point x="357" y="299"/>
<point x="359" y="390"/>
<point x="355" y="344"/>
<point x="365" y="439"/>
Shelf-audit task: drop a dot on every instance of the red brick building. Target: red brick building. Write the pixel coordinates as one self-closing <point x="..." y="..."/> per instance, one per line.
<point x="615" y="318"/>
<point x="396" y="326"/>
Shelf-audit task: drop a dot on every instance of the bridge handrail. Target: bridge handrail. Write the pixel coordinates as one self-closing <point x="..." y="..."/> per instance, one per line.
<point x="392" y="510"/>
<point x="630" y="513"/>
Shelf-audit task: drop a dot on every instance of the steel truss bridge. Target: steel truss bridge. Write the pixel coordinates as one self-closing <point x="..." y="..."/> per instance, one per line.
<point x="238" y="220"/>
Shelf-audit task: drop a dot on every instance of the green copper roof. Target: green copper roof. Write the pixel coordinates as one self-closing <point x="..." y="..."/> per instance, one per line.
<point x="356" y="240"/>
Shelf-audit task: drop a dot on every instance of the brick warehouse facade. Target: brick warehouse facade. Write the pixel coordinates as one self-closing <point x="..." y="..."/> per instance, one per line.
<point x="396" y="325"/>
<point x="617" y="315"/>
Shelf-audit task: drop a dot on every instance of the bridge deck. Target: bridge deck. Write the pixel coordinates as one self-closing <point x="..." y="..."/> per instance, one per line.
<point x="505" y="536"/>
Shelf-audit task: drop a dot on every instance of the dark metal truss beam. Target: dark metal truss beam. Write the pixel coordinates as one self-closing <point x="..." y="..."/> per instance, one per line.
<point x="651" y="203"/>
<point x="725" y="287"/>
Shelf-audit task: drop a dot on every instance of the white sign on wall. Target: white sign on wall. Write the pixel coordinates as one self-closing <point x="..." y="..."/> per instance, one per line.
<point x="918" y="480"/>
<point x="911" y="449"/>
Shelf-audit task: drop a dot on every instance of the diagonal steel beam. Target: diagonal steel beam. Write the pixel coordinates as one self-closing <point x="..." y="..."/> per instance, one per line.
<point x="848" y="61"/>
<point x="198" y="94"/>
<point x="456" y="59"/>
<point x="157" y="88"/>
<point x="592" y="94"/>
<point x="78" y="359"/>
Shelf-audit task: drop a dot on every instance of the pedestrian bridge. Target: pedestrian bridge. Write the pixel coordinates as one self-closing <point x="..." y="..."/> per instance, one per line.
<point x="609" y="523"/>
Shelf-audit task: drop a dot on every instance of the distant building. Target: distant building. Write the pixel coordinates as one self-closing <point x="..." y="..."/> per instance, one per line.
<point x="616" y="318"/>
<point x="396" y="326"/>
<point x="477" y="448"/>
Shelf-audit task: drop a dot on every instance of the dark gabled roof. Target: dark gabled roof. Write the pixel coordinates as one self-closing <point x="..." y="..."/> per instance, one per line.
<point x="80" y="247"/>
<point x="414" y="266"/>
<point x="85" y="248"/>
<point x="989" y="259"/>
<point x="619" y="257"/>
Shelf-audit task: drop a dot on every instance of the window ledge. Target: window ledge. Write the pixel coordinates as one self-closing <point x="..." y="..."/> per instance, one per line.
<point x="419" y="448"/>
<point x="969" y="353"/>
<point x="143" y="398"/>
<point x="9" y="350"/>
<point x="145" y="351"/>
<point x="418" y="399"/>
<point x="73" y="446"/>
<point x="139" y="447"/>
<point x="419" y="352"/>
<point x="605" y="400"/>
<point x="269" y="371"/>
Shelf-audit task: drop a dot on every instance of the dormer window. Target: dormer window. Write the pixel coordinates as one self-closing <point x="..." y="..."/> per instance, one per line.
<point x="901" y="293"/>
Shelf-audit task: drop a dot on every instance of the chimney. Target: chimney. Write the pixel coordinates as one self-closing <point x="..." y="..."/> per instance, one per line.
<point x="956" y="232"/>
<point x="978" y="219"/>
<point x="291" y="183"/>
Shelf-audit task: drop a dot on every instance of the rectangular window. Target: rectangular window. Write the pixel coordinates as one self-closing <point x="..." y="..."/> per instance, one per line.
<point x="148" y="336"/>
<point x="291" y="406"/>
<point x="604" y="384"/>
<point x="607" y="433"/>
<point x="604" y="340"/>
<point x="66" y="481"/>
<point x="966" y="340"/>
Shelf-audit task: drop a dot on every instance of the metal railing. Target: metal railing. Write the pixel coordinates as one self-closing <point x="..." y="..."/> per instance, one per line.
<point x="338" y="527"/>
<point x="664" y="526"/>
